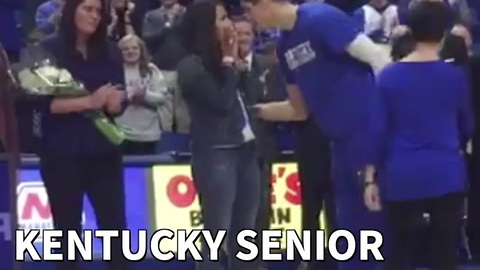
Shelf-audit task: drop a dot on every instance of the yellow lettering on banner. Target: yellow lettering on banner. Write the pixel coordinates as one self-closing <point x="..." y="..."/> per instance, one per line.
<point x="177" y="208"/>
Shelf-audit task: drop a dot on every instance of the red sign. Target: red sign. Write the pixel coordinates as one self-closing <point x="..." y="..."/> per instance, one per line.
<point x="181" y="190"/>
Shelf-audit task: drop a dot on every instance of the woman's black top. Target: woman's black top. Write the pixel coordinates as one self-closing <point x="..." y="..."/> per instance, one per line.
<point x="74" y="133"/>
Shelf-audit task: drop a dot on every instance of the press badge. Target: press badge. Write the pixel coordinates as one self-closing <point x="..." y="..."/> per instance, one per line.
<point x="299" y="55"/>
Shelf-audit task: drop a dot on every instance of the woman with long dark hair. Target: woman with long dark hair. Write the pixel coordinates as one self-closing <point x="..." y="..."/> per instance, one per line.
<point x="224" y="162"/>
<point x="429" y="121"/>
<point x="75" y="159"/>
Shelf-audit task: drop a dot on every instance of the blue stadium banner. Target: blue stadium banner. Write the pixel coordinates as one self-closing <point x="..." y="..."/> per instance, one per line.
<point x="7" y="215"/>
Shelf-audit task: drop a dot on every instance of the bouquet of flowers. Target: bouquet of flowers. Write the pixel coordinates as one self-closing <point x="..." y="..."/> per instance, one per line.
<point x="44" y="78"/>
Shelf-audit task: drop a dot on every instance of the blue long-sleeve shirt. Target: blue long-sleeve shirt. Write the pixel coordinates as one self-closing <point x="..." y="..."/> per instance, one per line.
<point x="74" y="133"/>
<point x="427" y="120"/>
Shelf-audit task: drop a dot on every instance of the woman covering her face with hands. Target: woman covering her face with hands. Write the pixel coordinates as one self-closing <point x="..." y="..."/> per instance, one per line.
<point x="224" y="165"/>
<point x="75" y="158"/>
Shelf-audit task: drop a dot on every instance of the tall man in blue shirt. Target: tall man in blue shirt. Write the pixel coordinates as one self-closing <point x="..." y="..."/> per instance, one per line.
<point x="329" y="68"/>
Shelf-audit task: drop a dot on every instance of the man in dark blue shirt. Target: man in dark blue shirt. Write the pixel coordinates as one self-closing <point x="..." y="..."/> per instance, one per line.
<point x="329" y="68"/>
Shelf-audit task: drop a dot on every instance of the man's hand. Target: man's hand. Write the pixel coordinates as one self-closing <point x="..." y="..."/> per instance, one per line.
<point x="371" y="197"/>
<point x="281" y="111"/>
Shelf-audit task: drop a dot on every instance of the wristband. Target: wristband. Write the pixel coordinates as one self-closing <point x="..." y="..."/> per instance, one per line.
<point x="228" y="60"/>
<point x="361" y="178"/>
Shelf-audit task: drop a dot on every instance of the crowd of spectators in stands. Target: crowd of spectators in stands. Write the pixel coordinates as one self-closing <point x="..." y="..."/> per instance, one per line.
<point x="155" y="22"/>
<point x="157" y="119"/>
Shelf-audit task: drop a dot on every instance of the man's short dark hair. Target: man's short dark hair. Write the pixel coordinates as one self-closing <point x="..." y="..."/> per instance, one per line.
<point x="428" y="21"/>
<point x="244" y="19"/>
<point x="241" y="18"/>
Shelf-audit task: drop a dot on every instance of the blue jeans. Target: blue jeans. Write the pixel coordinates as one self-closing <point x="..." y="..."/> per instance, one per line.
<point x="228" y="183"/>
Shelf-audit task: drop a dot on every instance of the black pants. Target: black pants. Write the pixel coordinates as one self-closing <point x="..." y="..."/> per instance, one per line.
<point x="473" y="222"/>
<point x="446" y="214"/>
<point x="265" y="209"/>
<point x="68" y="179"/>
<point x="314" y="168"/>
<point x="138" y="148"/>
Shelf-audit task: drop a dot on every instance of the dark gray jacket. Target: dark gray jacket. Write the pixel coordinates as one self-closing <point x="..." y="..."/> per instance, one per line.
<point x="215" y="110"/>
<point x="260" y="86"/>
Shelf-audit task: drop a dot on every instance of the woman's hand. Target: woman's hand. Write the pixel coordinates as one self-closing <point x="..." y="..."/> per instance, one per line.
<point x="114" y="101"/>
<point x="103" y="97"/>
<point x="178" y="9"/>
<point x="229" y="44"/>
<point x="138" y="96"/>
<point x="400" y="30"/>
<point x="113" y="16"/>
<point x="98" y="99"/>
<point x="130" y="8"/>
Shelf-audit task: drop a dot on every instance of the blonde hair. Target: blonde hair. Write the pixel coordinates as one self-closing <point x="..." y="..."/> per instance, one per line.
<point x="143" y="61"/>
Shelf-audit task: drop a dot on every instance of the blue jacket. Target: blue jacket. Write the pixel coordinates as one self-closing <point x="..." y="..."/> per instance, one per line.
<point x="10" y="35"/>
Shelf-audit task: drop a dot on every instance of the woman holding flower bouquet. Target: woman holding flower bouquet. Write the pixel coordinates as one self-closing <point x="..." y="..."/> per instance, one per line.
<point x="75" y="157"/>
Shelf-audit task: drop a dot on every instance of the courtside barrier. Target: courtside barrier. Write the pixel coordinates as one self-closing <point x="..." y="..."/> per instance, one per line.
<point x="160" y="194"/>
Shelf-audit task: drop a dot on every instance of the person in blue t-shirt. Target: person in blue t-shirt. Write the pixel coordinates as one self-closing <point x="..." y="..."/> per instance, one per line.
<point x="329" y="68"/>
<point x="428" y="121"/>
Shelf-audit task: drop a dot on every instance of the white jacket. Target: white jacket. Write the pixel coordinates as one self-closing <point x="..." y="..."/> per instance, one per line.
<point x="141" y="123"/>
